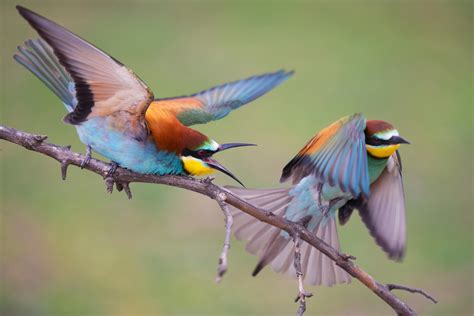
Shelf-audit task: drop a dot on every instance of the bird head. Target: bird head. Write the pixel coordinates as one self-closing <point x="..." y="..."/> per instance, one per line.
<point x="382" y="139"/>
<point x="198" y="161"/>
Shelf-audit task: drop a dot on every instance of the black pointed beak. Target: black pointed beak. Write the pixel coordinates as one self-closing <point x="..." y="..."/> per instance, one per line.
<point x="215" y="165"/>
<point x="233" y="145"/>
<point x="399" y="140"/>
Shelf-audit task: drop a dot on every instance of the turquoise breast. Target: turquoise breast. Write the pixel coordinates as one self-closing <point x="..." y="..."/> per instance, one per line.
<point x="139" y="156"/>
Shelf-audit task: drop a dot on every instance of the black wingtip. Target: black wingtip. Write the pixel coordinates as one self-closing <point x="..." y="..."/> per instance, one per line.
<point x="24" y="12"/>
<point x="283" y="178"/>
<point x="258" y="268"/>
<point x="286" y="172"/>
<point x="288" y="169"/>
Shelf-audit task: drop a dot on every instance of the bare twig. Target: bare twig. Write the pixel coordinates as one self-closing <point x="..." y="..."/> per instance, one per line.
<point x="411" y="290"/>
<point x="222" y="265"/>
<point x="302" y="294"/>
<point x="65" y="155"/>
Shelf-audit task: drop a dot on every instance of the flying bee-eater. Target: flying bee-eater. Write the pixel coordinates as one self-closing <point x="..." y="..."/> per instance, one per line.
<point x="351" y="164"/>
<point x="116" y="114"/>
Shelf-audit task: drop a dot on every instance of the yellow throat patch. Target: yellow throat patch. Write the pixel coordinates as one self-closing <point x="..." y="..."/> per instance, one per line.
<point x="382" y="151"/>
<point x="195" y="166"/>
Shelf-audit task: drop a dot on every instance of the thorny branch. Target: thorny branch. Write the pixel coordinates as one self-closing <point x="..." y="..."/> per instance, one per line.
<point x="123" y="177"/>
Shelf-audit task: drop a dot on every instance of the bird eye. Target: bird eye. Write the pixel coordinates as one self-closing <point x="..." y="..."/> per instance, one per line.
<point x="201" y="153"/>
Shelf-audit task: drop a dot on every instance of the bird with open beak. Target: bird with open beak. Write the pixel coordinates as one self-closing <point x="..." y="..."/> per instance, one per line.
<point x="117" y="115"/>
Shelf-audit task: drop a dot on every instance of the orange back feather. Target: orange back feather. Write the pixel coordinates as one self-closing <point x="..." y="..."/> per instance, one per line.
<point x="320" y="139"/>
<point x="167" y="131"/>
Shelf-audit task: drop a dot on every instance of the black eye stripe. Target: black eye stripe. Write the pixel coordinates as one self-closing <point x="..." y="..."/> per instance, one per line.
<point x="201" y="153"/>
<point x="205" y="153"/>
<point x="374" y="141"/>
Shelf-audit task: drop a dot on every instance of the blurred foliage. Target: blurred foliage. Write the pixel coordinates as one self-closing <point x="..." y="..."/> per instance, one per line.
<point x="68" y="248"/>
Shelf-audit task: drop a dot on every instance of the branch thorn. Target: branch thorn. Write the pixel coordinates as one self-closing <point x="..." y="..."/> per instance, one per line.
<point x="40" y="138"/>
<point x="348" y="257"/>
<point x="64" y="165"/>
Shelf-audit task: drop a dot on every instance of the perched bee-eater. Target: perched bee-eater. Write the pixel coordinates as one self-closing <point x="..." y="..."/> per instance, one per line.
<point x="351" y="164"/>
<point x="116" y="114"/>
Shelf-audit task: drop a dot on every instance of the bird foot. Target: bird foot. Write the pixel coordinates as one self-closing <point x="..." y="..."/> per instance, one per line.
<point x="305" y="220"/>
<point x="88" y="157"/>
<point x="207" y="180"/>
<point x="110" y="181"/>
<point x="113" y="168"/>
<point x="120" y="186"/>
<point x="125" y="186"/>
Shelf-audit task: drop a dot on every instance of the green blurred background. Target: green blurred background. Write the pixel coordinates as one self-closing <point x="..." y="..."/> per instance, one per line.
<point x="69" y="248"/>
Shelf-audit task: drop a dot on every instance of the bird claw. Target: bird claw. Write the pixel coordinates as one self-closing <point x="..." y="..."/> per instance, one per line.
<point x="207" y="180"/>
<point x="124" y="186"/>
<point x="110" y="181"/>
<point x="88" y="157"/>
<point x="113" y="168"/>
<point x="305" y="220"/>
<point x="120" y="186"/>
<point x="109" y="184"/>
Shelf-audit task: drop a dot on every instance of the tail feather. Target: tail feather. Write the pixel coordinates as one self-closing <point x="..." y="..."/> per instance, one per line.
<point x="38" y="57"/>
<point x="276" y="248"/>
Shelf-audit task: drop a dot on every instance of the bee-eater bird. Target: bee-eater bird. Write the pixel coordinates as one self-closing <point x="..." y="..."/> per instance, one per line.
<point x="116" y="114"/>
<point x="351" y="164"/>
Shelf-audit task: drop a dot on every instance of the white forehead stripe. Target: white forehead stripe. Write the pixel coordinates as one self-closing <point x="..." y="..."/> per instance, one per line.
<point x="386" y="135"/>
<point x="213" y="145"/>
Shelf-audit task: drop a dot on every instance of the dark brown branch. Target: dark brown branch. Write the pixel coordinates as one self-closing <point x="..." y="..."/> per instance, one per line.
<point x="67" y="157"/>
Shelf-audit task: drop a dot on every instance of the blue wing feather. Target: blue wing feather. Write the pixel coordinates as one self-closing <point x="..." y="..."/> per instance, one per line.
<point x="38" y="58"/>
<point x="339" y="159"/>
<point x="220" y="100"/>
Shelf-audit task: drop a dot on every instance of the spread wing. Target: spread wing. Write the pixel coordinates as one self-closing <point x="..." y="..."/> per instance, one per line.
<point x="217" y="102"/>
<point x="336" y="155"/>
<point x="103" y="85"/>
<point x="384" y="211"/>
